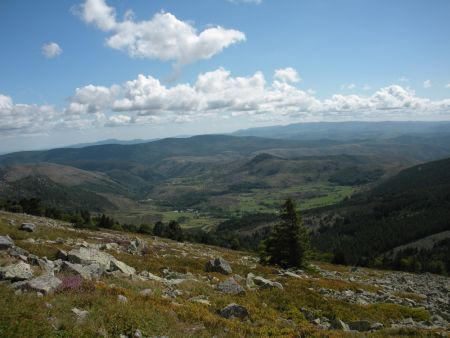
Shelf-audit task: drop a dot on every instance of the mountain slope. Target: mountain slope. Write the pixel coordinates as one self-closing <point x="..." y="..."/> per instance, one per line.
<point x="411" y="205"/>
<point x="58" y="186"/>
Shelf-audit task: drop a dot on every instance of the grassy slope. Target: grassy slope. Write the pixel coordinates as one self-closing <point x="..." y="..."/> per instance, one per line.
<point x="273" y="312"/>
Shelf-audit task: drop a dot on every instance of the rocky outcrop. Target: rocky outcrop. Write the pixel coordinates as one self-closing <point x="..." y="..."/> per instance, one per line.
<point x="80" y="315"/>
<point x="16" y="272"/>
<point x="88" y="256"/>
<point x="30" y="227"/>
<point x="338" y="324"/>
<point x="122" y="267"/>
<point x="266" y="284"/>
<point x="234" y="311"/>
<point x="218" y="265"/>
<point x="230" y="286"/>
<point x="89" y="272"/>
<point x="6" y="242"/>
<point x="45" y="284"/>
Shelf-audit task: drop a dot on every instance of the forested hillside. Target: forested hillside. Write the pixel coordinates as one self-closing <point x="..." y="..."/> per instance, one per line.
<point x="409" y="206"/>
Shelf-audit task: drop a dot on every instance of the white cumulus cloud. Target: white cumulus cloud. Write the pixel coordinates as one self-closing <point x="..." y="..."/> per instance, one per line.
<point x="162" y="37"/>
<point x="51" y="50"/>
<point x="216" y="95"/>
<point x="288" y="74"/>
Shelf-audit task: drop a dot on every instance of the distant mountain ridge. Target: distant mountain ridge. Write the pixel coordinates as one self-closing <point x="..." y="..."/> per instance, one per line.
<point x="348" y="130"/>
<point x="110" y="141"/>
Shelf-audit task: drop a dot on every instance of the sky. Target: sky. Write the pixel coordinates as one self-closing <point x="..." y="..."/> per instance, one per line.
<point x="85" y="70"/>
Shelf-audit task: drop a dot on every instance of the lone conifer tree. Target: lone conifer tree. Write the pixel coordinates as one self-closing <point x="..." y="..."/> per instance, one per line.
<point x="288" y="242"/>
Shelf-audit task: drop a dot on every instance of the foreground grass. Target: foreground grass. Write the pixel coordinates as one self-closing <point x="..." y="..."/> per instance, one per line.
<point x="273" y="313"/>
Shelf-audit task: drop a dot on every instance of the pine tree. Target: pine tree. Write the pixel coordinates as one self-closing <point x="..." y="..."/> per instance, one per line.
<point x="159" y="229"/>
<point x="288" y="243"/>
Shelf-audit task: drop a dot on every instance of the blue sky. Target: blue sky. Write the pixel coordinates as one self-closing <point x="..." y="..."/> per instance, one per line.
<point x="69" y="70"/>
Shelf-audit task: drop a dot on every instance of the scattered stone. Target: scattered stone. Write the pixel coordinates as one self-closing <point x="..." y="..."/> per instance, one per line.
<point x="138" y="246"/>
<point x="17" y="272"/>
<point x="46" y="265"/>
<point x="234" y="311"/>
<point x="149" y="276"/>
<point x="146" y="292"/>
<point x="376" y="326"/>
<point x="360" y="325"/>
<point x="218" y="265"/>
<point x="138" y="334"/>
<point x="309" y="315"/>
<point x="89" y="272"/>
<point x="122" y="267"/>
<point x="200" y="299"/>
<point x="291" y="274"/>
<point x="30" y="227"/>
<point x="239" y="278"/>
<point x="338" y="324"/>
<point x="6" y="242"/>
<point x="15" y="251"/>
<point x="122" y="299"/>
<point x="61" y="254"/>
<point x="230" y="286"/>
<point x="86" y="256"/>
<point x="172" y="293"/>
<point x="80" y="314"/>
<point x="249" y="281"/>
<point x="266" y="284"/>
<point x="45" y="284"/>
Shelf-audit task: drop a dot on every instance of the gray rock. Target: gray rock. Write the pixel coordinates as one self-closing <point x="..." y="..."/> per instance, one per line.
<point x="249" y="281"/>
<point x="46" y="265"/>
<point x="309" y="315"/>
<point x="376" y="326"/>
<point x="218" y="265"/>
<point x="61" y="254"/>
<point x="86" y="256"/>
<point x="360" y="325"/>
<point x="45" y="284"/>
<point x="138" y="246"/>
<point x="80" y="314"/>
<point x="30" y="227"/>
<point x="33" y="259"/>
<point x="138" y="334"/>
<point x="338" y="324"/>
<point x="146" y="292"/>
<point x="122" y="267"/>
<point x="15" y="251"/>
<point x="122" y="299"/>
<point x="234" y="311"/>
<point x="89" y="272"/>
<point x="16" y="272"/>
<point x="172" y="275"/>
<point x="230" y="286"/>
<point x="200" y="299"/>
<point x="172" y="293"/>
<point x="6" y="242"/>
<point x="266" y="284"/>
